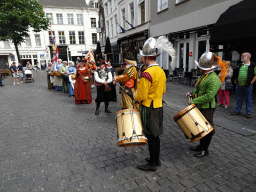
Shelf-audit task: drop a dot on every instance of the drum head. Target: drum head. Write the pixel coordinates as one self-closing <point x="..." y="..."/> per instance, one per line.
<point x="184" y="111"/>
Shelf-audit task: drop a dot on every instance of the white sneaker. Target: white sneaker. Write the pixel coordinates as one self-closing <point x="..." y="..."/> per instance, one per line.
<point x="13" y="83"/>
<point x="18" y="83"/>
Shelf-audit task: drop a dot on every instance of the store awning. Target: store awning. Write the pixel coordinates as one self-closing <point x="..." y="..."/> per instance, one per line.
<point x="236" y="26"/>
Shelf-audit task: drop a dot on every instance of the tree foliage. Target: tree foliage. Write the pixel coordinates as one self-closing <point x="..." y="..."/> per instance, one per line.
<point x="16" y="16"/>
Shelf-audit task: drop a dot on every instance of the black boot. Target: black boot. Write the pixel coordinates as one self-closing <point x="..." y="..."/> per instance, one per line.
<point x="97" y="109"/>
<point x="107" y="109"/>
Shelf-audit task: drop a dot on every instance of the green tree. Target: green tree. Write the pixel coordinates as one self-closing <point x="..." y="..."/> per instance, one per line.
<point x="17" y="16"/>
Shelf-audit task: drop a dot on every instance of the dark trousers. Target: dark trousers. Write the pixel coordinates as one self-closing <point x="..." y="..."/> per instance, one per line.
<point x="154" y="149"/>
<point x="1" y="80"/>
<point x="98" y="104"/>
<point x="206" y="140"/>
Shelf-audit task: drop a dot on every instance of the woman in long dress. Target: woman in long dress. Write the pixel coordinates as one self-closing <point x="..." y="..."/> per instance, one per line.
<point x="64" y="77"/>
<point x="82" y="86"/>
<point x="48" y="71"/>
<point x="57" y="80"/>
<point x="71" y="70"/>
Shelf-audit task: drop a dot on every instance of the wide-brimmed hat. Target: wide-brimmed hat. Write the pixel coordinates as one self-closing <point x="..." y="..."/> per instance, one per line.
<point x="206" y="61"/>
<point x="149" y="48"/>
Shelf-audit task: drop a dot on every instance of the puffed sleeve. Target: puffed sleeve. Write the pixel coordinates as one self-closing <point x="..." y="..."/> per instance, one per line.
<point x="143" y="89"/>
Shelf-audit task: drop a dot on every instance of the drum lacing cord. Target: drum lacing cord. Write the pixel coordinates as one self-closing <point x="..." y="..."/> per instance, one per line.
<point x="197" y="124"/>
<point x="133" y="126"/>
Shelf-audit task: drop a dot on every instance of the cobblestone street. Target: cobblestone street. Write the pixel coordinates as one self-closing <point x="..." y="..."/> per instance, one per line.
<point x="50" y="144"/>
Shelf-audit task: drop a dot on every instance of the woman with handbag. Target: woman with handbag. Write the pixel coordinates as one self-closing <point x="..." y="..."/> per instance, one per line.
<point x="103" y="78"/>
<point x="82" y="87"/>
<point x="226" y="87"/>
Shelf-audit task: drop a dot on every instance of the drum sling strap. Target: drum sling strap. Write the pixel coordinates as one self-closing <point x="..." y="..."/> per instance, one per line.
<point x="199" y="82"/>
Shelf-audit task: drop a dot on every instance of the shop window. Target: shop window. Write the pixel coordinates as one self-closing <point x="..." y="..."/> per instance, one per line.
<point x="34" y="56"/>
<point x="201" y="48"/>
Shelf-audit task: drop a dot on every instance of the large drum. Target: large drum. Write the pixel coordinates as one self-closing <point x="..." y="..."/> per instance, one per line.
<point x="129" y="127"/>
<point x="193" y="123"/>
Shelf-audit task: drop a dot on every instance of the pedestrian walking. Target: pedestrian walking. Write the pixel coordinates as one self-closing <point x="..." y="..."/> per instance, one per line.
<point x="20" y="74"/>
<point x="225" y="87"/>
<point x="244" y="77"/>
<point x="48" y="70"/>
<point x="64" y="77"/>
<point x="103" y="78"/>
<point x="14" y="71"/>
<point x="203" y="96"/>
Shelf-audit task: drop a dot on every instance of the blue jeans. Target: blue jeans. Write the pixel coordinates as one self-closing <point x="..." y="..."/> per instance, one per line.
<point x="0" y="80"/>
<point x="244" y="93"/>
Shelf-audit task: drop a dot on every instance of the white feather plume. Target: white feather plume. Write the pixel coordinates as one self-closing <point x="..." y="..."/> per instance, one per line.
<point x="162" y="42"/>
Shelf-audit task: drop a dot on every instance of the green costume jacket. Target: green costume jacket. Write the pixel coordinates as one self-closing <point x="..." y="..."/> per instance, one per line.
<point x="207" y="91"/>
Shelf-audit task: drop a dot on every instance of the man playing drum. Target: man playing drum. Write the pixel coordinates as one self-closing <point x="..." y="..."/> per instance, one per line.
<point x="150" y="91"/>
<point x="203" y="96"/>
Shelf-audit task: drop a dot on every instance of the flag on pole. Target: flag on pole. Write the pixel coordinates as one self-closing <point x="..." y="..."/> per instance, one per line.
<point x="91" y="55"/>
<point x="121" y="28"/>
<point x="129" y="23"/>
<point x="55" y="51"/>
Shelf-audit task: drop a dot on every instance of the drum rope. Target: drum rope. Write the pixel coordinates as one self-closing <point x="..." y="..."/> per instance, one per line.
<point x="133" y="125"/>
<point x="197" y="124"/>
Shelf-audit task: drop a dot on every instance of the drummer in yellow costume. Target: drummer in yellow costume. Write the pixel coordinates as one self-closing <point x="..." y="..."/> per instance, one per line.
<point x="130" y="80"/>
<point x="151" y="88"/>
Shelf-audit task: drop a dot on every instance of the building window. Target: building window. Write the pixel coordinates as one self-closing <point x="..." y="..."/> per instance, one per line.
<point x="80" y="19"/>
<point x="62" y="39"/>
<point x="81" y="37"/>
<point x="50" y="36"/>
<point x="132" y="13"/>
<point x="72" y="37"/>
<point x="93" y="22"/>
<point x="162" y="5"/>
<point x="28" y="41"/>
<point x="70" y="19"/>
<point x="116" y="24"/>
<point x="201" y="48"/>
<point x="106" y="9"/>
<point x="142" y="12"/>
<point x="111" y="25"/>
<point x="59" y="18"/>
<point x="107" y="28"/>
<point x="94" y="38"/>
<point x="96" y="5"/>
<point x="115" y="4"/>
<point x="110" y="5"/>
<point x="7" y="44"/>
<point x="49" y="15"/>
<point x="37" y="40"/>
<point x="180" y="1"/>
<point x="123" y="16"/>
